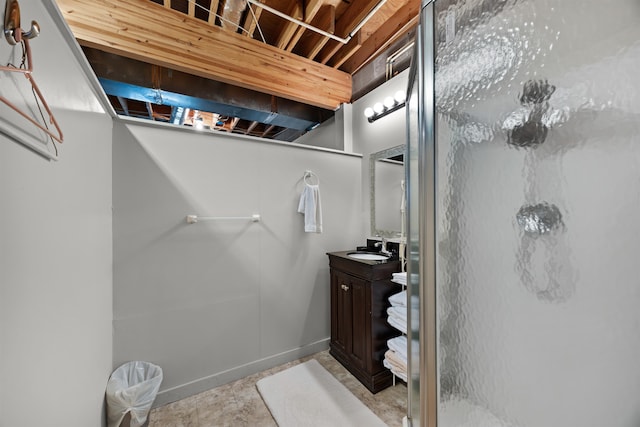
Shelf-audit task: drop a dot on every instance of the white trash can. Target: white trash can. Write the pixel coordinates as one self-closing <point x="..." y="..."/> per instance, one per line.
<point x="131" y="390"/>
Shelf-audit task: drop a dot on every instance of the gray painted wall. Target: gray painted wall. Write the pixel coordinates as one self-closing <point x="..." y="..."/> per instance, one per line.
<point x="334" y="134"/>
<point x="55" y="286"/>
<point x="326" y="135"/>
<point x="215" y="301"/>
<point x="55" y="248"/>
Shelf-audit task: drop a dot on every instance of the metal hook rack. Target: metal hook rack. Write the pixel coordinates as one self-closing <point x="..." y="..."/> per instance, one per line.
<point x="12" y="31"/>
<point x="16" y="35"/>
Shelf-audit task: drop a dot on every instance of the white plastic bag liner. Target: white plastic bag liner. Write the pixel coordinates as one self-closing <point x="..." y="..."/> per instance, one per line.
<point x="132" y="388"/>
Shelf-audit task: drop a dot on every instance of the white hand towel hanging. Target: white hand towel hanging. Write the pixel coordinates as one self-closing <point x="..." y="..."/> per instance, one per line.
<point x="311" y="208"/>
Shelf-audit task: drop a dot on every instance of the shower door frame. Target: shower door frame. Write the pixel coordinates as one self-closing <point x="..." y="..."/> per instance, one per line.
<point x="423" y="408"/>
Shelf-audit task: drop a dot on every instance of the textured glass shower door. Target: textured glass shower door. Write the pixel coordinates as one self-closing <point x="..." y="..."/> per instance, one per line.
<point x="537" y="218"/>
<point x="419" y="169"/>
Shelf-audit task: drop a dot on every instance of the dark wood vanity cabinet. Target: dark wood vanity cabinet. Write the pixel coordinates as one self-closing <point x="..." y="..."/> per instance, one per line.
<point x="359" y="328"/>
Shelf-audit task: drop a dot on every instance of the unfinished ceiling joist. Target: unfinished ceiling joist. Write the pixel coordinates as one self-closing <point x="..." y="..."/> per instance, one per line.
<point x="145" y="31"/>
<point x="398" y="25"/>
<point x="311" y="43"/>
<point x="164" y="97"/>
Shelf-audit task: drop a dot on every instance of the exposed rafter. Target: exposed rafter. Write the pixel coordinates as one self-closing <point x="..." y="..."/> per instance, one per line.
<point x="398" y="25"/>
<point x="311" y="43"/>
<point x="289" y="28"/>
<point x="311" y="9"/>
<point x="171" y="94"/>
<point x="262" y="71"/>
<point x="251" y="21"/>
<point x="213" y="10"/>
<point x="345" y="25"/>
<point x="347" y="51"/>
<point x="266" y="131"/>
<point x="152" y="33"/>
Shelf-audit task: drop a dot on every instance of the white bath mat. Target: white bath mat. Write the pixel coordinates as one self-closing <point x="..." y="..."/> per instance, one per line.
<point x="306" y="395"/>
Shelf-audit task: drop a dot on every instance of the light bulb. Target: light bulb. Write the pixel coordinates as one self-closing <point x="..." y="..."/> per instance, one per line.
<point x="400" y="96"/>
<point x="378" y="107"/>
<point x="368" y="112"/>
<point x="389" y="102"/>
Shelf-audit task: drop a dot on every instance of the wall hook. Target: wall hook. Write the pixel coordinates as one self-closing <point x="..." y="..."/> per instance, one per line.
<point x="14" y="35"/>
<point x="12" y="31"/>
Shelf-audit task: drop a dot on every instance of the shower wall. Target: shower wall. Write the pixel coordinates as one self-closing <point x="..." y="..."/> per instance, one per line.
<point x="539" y="198"/>
<point x="215" y="301"/>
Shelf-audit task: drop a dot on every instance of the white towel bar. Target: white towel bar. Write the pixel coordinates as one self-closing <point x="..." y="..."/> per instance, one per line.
<point x="192" y="219"/>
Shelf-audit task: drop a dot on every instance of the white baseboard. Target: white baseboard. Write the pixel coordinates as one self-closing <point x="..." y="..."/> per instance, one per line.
<point x="207" y="383"/>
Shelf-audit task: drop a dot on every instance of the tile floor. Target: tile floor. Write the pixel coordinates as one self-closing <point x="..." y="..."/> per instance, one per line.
<point x="239" y="403"/>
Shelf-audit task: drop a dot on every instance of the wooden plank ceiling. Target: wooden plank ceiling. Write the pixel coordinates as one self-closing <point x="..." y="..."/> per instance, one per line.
<point x="237" y="42"/>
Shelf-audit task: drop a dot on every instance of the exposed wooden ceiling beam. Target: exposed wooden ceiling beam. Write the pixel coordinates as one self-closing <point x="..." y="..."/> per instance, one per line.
<point x="149" y="109"/>
<point x="124" y="105"/>
<point x="312" y="43"/>
<point x="251" y="21"/>
<point x="309" y="13"/>
<point x="330" y="49"/>
<point x="349" y="20"/>
<point x="289" y="28"/>
<point x="251" y="127"/>
<point x="382" y="16"/>
<point x="213" y="10"/>
<point x="233" y="124"/>
<point x="143" y="30"/>
<point x="347" y="51"/>
<point x="267" y="130"/>
<point x="357" y="11"/>
<point x="395" y="27"/>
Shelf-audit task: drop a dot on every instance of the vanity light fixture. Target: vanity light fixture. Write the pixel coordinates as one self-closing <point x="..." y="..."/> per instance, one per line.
<point x="389" y="105"/>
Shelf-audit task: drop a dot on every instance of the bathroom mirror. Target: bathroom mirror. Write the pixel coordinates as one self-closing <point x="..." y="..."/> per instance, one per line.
<point x="386" y="178"/>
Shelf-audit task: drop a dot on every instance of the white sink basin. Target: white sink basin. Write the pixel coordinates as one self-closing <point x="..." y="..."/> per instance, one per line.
<point x="368" y="257"/>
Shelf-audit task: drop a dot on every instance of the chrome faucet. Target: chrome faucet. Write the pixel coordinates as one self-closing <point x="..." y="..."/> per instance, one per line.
<point x="383" y="249"/>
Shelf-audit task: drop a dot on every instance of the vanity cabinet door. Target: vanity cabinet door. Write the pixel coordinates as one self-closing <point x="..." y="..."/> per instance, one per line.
<point x="351" y="318"/>
<point x="341" y="329"/>
<point x="360" y="351"/>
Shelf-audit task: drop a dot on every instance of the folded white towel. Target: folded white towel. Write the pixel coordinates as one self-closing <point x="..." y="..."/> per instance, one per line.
<point x="398" y="312"/>
<point x="398" y="323"/>
<point x="399" y="345"/>
<point x="393" y="358"/>
<point x="399" y="299"/>
<point x="399" y="282"/>
<point x="392" y="363"/>
<point x="395" y="372"/>
<point x="400" y="278"/>
<point x="309" y="205"/>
